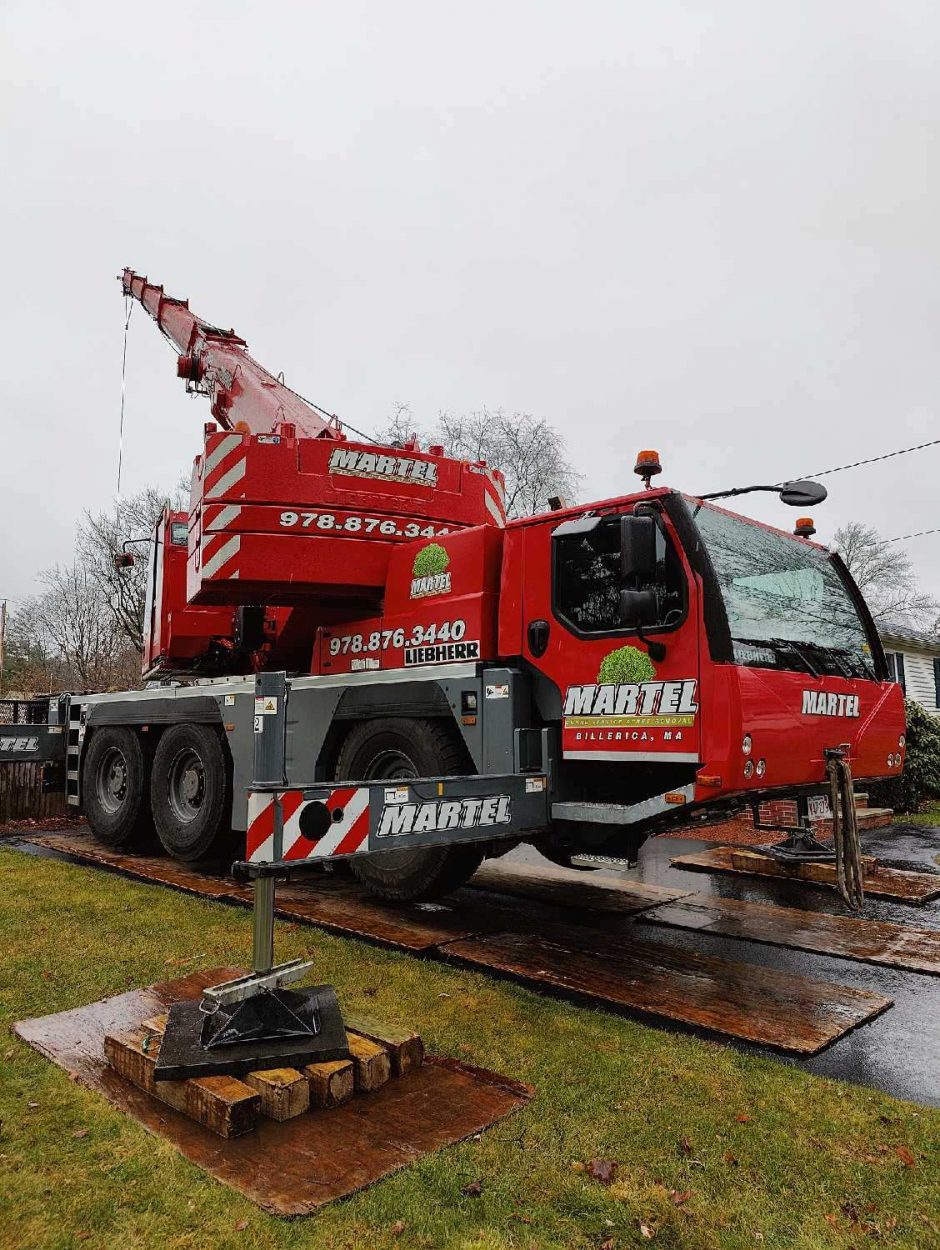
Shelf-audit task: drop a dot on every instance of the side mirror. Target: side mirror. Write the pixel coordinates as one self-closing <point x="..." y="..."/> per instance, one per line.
<point x="123" y="560"/>
<point x="637" y="546"/>
<point x="802" y="494"/>
<point x="638" y="607"/>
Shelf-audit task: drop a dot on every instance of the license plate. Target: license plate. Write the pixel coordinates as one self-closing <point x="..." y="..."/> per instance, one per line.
<point x="817" y="807"/>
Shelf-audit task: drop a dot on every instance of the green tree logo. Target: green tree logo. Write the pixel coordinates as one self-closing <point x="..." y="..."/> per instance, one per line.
<point x="430" y="561"/>
<point x="624" y="666"/>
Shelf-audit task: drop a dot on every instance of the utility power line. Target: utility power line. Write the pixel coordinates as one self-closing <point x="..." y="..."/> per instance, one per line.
<point x="888" y="455"/>
<point x="903" y="537"/>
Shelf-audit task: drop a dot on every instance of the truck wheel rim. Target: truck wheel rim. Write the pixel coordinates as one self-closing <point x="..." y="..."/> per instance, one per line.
<point x="186" y="786"/>
<point x="111" y="780"/>
<point x="389" y="766"/>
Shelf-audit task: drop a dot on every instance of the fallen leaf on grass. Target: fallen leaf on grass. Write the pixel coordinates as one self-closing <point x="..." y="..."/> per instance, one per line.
<point x="9" y="1054"/>
<point x="905" y="1156"/>
<point x="398" y="1228"/>
<point x="241" y="1226"/>
<point x="729" y="1158"/>
<point x="473" y="1190"/>
<point x="743" y="1119"/>
<point x="832" y="1220"/>
<point x="607" y="1244"/>
<point x="647" y="1232"/>
<point x="602" y="1170"/>
<point x="32" y="1105"/>
<point x="577" y="1165"/>
<point x="81" y="1132"/>
<point x="685" y="1146"/>
<point x="678" y="1198"/>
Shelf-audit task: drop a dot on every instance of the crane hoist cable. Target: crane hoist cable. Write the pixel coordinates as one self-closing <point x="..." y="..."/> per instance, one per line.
<point x="128" y="308"/>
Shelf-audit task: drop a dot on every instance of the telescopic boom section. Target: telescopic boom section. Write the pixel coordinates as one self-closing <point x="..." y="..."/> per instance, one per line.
<point x="244" y="396"/>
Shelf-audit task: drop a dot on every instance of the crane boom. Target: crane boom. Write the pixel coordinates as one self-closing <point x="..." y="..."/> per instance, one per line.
<point x="243" y="394"/>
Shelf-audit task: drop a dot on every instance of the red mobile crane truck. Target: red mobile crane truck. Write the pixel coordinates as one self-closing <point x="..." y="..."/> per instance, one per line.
<point x="448" y="684"/>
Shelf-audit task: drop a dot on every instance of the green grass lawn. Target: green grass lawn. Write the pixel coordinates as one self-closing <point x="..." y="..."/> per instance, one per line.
<point x="929" y="814"/>
<point x="713" y="1148"/>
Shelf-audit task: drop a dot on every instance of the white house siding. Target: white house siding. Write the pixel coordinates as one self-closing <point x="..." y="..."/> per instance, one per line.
<point x="919" y="681"/>
<point x="918" y="675"/>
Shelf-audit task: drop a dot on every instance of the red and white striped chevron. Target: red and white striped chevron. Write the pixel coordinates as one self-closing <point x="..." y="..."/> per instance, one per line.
<point x="347" y="835"/>
<point x="494" y="496"/>
<point x="223" y="467"/>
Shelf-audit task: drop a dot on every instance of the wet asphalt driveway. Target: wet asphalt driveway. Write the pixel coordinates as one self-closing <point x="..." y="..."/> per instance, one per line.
<point x="899" y="1051"/>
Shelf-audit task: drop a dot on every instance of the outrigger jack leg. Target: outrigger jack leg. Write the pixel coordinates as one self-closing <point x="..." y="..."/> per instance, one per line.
<point x="254" y="1022"/>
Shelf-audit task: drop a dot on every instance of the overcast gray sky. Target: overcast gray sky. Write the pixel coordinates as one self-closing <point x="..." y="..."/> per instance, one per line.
<point x="709" y="228"/>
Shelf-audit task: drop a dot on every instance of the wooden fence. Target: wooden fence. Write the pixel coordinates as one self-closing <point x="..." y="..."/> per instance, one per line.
<point x="22" y="797"/>
<point x="21" y="792"/>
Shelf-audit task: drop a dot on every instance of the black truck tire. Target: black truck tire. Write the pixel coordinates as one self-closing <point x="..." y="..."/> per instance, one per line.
<point x="115" y="788"/>
<point x="403" y="747"/>
<point x="190" y="792"/>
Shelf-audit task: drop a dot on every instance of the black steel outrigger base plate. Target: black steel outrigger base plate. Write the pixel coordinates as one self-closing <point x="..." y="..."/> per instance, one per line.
<point x="801" y="848"/>
<point x="270" y="1038"/>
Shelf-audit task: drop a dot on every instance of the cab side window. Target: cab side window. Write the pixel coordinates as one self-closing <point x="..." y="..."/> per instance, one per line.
<point x="587" y="578"/>
<point x="591" y="572"/>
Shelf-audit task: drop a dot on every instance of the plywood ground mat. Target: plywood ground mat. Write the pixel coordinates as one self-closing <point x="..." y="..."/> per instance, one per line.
<point x="294" y="1167"/>
<point x="847" y="937"/>
<point x="887" y="883"/>
<point x="590" y="950"/>
<point x="778" y="1009"/>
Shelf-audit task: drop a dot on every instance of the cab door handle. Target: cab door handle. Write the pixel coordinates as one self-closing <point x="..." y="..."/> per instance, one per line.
<point x="538" y="632"/>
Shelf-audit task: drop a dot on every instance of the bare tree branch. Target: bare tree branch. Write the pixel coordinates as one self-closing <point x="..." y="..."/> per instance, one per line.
<point x="526" y="448"/>
<point x="885" y="576"/>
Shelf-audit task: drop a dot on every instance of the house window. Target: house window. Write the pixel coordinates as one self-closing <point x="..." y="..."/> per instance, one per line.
<point x="936" y="682"/>
<point x="896" y="669"/>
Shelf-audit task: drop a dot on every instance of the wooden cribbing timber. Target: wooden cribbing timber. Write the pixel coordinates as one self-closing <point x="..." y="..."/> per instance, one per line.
<point x="285" y="1092"/>
<point x="331" y="1083"/>
<point x="221" y="1103"/>
<point x="405" y="1049"/>
<point x="230" y="1107"/>
<point x="371" y="1062"/>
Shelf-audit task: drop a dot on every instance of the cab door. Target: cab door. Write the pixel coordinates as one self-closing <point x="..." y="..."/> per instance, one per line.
<point x="611" y="615"/>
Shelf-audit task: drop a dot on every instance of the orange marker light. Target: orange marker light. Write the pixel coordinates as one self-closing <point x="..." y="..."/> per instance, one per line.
<point x="648" y="462"/>
<point x="804" y="527"/>
<point x="647" y="466"/>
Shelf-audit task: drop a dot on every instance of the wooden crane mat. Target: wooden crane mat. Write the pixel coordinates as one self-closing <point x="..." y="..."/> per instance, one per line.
<point x="882" y="882"/>
<point x="778" y="1009"/>
<point x="846" y="937"/>
<point x="295" y="1166"/>
<point x="336" y="903"/>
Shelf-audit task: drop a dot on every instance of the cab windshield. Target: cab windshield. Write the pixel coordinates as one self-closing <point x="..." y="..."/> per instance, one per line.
<point x="787" y="604"/>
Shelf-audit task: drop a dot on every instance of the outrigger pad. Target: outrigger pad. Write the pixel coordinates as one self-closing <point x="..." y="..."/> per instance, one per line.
<point x="278" y="1029"/>
<point x="801" y="848"/>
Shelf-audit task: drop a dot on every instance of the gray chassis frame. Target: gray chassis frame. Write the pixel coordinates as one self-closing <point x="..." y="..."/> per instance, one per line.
<point x="505" y="737"/>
